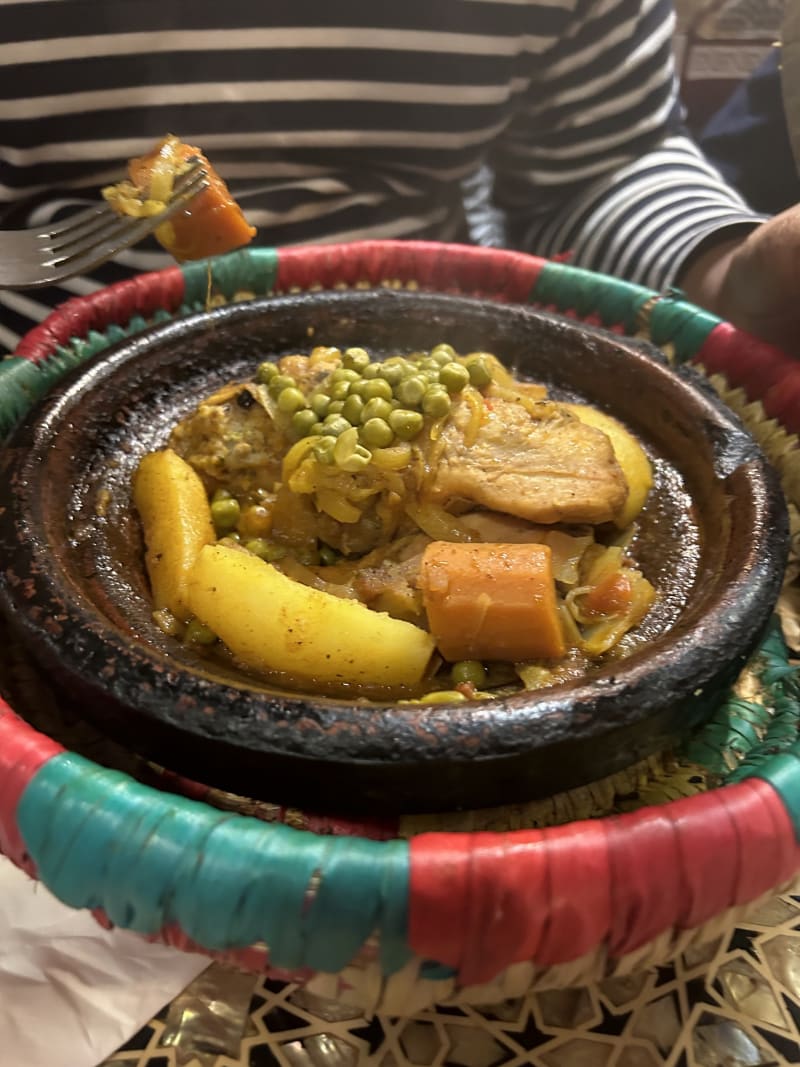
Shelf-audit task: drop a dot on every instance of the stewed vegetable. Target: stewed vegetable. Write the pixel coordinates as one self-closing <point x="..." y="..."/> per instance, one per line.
<point x="409" y="526"/>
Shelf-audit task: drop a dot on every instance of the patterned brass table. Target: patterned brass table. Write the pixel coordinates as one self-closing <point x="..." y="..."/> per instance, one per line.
<point x="734" y="1003"/>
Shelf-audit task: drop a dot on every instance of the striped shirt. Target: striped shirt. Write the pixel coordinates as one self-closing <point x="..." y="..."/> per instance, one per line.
<point x="545" y="125"/>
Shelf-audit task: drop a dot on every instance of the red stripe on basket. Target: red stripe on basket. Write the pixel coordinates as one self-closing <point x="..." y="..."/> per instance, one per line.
<point x="735" y="845"/>
<point x="764" y="372"/>
<point x="23" y="752"/>
<point x="481" y="902"/>
<point x="494" y="913"/>
<point x="116" y="304"/>
<point x="769" y="851"/>
<point x="577" y="856"/>
<point x="500" y="275"/>
<point x="644" y="877"/>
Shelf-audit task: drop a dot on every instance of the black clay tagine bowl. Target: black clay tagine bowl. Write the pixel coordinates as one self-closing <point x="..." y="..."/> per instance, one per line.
<point x="712" y="540"/>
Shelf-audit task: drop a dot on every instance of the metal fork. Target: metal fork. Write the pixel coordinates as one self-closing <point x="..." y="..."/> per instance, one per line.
<point x="34" y="257"/>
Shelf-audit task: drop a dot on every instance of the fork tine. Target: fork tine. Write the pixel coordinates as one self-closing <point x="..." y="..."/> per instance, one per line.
<point x="105" y="243"/>
<point x="94" y="223"/>
<point x="92" y="226"/>
<point x="121" y="231"/>
<point x="34" y="258"/>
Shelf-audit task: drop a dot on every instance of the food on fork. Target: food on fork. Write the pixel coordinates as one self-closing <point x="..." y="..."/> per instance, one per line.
<point x="210" y="223"/>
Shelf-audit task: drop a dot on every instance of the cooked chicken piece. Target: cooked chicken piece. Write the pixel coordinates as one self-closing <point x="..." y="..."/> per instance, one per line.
<point x="387" y="579"/>
<point x="310" y="371"/>
<point x="546" y="466"/>
<point x="231" y="440"/>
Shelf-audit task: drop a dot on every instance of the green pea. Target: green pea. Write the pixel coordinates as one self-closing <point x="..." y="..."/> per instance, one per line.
<point x="443" y="354"/>
<point x="302" y="421"/>
<point x="279" y="382"/>
<point x="328" y="556"/>
<point x="411" y="391"/>
<point x="406" y="424"/>
<point x="221" y="494"/>
<point x="266" y="372"/>
<point x="335" y="424"/>
<point x="318" y="429"/>
<point x="339" y="390"/>
<point x="264" y="549"/>
<point x="377" y="433"/>
<point x="197" y="633"/>
<point x="371" y="371"/>
<point x="343" y="374"/>
<point x="428" y="370"/>
<point x="436" y="403"/>
<point x="479" y="373"/>
<point x="392" y="372"/>
<point x="290" y="400"/>
<point x="379" y="388"/>
<point x="352" y="408"/>
<point x="225" y="514"/>
<point x="471" y="671"/>
<point x="359" y="388"/>
<point x="356" y="359"/>
<point x="454" y="377"/>
<point x="377" y="408"/>
<point x="319" y="404"/>
<point x="336" y="407"/>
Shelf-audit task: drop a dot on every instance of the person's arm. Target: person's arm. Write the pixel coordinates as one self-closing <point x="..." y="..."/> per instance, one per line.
<point x="597" y="162"/>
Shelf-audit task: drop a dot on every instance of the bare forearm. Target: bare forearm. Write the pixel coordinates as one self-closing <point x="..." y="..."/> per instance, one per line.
<point x="703" y="277"/>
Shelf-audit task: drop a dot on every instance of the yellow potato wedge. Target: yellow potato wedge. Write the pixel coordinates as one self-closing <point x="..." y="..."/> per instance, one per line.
<point x="175" y="513"/>
<point x="271" y="623"/>
<point x="630" y="456"/>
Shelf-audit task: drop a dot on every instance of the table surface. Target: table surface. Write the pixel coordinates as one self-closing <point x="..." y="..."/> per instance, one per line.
<point x="732" y="1003"/>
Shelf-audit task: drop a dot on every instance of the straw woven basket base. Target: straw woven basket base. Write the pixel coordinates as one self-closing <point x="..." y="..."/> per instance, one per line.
<point x="731" y="1001"/>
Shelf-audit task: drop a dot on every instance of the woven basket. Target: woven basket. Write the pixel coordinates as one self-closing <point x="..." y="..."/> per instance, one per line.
<point x="472" y="907"/>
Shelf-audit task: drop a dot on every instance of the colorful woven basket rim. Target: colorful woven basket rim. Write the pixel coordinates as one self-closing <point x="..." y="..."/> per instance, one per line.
<point x="466" y="905"/>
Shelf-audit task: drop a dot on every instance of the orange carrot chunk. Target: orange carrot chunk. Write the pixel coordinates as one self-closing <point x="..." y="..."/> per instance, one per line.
<point x="491" y="601"/>
<point x="211" y="223"/>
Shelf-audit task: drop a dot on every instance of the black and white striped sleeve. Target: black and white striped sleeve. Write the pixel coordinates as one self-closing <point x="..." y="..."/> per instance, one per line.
<point x="598" y="164"/>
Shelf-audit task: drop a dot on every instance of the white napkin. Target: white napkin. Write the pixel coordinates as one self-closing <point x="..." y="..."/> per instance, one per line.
<point x="70" y="992"/>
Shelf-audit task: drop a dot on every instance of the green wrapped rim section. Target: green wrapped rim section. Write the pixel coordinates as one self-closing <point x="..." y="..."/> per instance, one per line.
<point x="101" y="840"/>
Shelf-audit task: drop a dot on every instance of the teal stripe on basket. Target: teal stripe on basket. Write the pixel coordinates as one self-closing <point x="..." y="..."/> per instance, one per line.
<point x="742" y="737"/>
<point x="23" y="382"/>
<point x="685" y="326"/>
<point x="617" y="303"/>
<point x="250" y="269"/>
<point x="783" y="774"/>
<point x="99" y="839"/>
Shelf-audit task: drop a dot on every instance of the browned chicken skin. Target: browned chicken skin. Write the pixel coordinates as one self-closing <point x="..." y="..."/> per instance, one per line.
<point x="548" y="467"/>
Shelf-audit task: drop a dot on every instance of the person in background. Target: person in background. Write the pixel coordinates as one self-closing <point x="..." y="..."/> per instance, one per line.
<point x="335" y="122"/>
